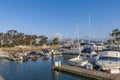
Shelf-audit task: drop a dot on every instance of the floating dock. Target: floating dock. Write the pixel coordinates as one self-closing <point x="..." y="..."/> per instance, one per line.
<point x="88" y="73"/>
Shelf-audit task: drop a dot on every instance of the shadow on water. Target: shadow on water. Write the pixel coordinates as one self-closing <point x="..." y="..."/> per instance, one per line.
<point x="57" y="75"/>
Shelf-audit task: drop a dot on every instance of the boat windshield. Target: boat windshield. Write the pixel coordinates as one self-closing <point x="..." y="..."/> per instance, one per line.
<point x="109" y="58"/>
<point x="87" y="50"/>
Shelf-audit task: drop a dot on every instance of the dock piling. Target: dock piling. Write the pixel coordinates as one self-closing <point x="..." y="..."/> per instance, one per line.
<point x="52" y="60"/>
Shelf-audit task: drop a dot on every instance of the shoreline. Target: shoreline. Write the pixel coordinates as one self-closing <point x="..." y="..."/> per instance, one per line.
<point x="29" y="48"/>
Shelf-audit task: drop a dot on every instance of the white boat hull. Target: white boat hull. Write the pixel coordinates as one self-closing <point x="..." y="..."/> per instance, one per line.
<point x="78" y="62"/>
<point x="106" y="65"/>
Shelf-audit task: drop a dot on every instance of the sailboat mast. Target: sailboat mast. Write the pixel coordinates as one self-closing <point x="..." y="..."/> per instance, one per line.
<point x="78" y="35"/>
<point x="101" y="34"/>
<point x="89" y="29"/>
<point x="31" y="37"/>
<point x="110" y="34"/>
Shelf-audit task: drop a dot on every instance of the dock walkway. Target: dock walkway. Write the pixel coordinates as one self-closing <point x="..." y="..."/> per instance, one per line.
<point x="88" y="73"/>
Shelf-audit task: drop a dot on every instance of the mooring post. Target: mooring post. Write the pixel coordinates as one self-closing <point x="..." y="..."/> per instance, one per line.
<point x="52" y="60"/>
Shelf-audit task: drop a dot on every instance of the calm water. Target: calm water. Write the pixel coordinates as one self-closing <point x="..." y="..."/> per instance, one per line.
<point x="35" y="70"/>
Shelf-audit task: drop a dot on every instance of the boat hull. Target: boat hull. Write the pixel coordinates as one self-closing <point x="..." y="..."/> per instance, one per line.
<point x="106" y="65"/>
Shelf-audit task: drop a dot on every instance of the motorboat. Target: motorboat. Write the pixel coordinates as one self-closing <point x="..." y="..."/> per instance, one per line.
<point x="109" y="60"/>
<point x="78" y="61"/>
<point x="33" y="55"/>
<point x="88" y="51"/>
<point x="45" y="52"/>
<point x="90" y="54"/>
<point x="87" y="55"/>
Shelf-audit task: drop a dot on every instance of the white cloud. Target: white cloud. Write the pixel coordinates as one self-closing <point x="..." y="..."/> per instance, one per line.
<point x="57" y="35"/>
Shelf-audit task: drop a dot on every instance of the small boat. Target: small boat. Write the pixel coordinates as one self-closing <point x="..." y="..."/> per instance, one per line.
<point x="87" y="55"/>
<point x="33" y="54"/>
<point x="45" y="52"/>
<point x="35" y="57"/>
<point x="72" y="49"/>
<point x="109" y="60"/>
<point x="78" y="61"/>
<point x="15" y="57"/>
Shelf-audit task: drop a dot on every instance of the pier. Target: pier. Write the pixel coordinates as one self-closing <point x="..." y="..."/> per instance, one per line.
<point x="88" y="73"/>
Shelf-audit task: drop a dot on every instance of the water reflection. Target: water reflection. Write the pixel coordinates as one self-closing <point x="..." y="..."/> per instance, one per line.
<point x="45" y="58"/>
<point x="35" y="70"/>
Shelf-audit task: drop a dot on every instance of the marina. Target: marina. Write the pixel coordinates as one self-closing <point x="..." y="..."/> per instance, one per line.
<point x="82" y="65"/>
<point x="63" y="66"/>
<point x="59" y="39"/>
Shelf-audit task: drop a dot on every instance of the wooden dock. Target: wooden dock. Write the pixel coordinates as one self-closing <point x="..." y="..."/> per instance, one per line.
<point x="88" y="73"/>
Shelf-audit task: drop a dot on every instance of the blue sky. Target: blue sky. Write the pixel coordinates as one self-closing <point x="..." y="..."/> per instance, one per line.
<point x="48" y="17"/>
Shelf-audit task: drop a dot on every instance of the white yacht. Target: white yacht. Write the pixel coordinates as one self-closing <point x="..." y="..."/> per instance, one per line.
<point x="96" y="46"/>
<point x="71" y="48"/>
<point x="109" y="60"/>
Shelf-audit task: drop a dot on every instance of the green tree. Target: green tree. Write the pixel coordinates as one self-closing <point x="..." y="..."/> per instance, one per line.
<point x="43" y="40"/>
<point x="11" y="36"/>
<point x="27" y="39"/>
<point x="1" y="39"/>
<point x="14" y="38"/>
<point x="55" y="41"/>
<point x="33" y="39"/>
<point x="115" y="35"/>
<point x="19" y="39"/>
